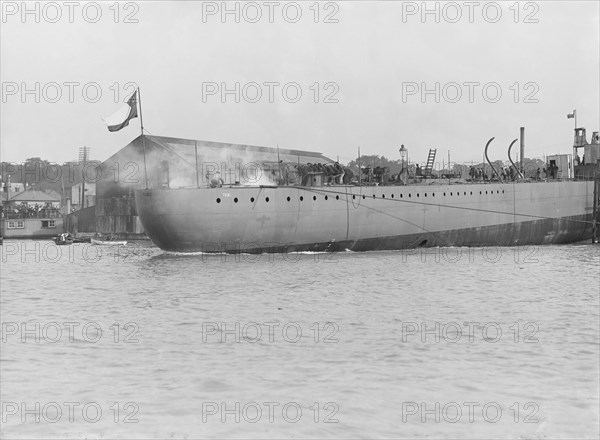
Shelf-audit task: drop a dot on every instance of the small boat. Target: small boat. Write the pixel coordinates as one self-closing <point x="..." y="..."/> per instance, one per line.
<point x="63" y="239"/>
<point x="108" y="241"/>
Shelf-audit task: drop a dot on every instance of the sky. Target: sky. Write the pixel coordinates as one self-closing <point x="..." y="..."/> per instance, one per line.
<point x="322" y="76"/>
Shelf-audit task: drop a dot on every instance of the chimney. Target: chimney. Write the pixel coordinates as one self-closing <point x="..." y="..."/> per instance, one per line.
<point x="522" y="154"/>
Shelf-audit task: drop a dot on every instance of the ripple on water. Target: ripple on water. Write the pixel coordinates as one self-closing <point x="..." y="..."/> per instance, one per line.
<point x="373" y="368"/>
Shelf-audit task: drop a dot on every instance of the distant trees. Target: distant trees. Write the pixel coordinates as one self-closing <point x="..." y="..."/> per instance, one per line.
<point x="37" y="160"/>
<point x="373" y="161"/>
<point x="41" y="175"/>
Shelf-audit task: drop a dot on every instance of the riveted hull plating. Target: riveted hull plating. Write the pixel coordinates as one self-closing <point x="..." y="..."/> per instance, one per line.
<point x="280" y="219"/>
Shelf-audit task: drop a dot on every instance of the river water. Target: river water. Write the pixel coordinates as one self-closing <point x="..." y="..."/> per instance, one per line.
<point x="133" y="342"/>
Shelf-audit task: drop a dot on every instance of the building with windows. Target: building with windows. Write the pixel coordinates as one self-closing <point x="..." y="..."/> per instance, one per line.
<point x="31" y="214"/>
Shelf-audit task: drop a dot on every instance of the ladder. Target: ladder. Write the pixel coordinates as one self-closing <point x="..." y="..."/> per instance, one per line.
<point x="430" y="162"/>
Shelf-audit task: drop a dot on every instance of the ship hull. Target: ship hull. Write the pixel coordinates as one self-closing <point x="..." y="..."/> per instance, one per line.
<point x="285" y="219"/>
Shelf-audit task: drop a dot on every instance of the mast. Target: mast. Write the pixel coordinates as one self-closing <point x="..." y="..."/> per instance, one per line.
<point x="279" y="165"/>
<point x="596" y="207"/>
<point x="449" y="167"/>
<point x="359" y="170"/>
<point x="197" y="172"/>
<point x="143" y="138"/>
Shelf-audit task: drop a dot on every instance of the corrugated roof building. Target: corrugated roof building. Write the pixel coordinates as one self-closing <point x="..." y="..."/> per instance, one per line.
<point x="177" y="163"/>
<point x="32" y="198"/>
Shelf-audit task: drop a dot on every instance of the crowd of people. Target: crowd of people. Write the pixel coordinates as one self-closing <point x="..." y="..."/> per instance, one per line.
<point x="334" y="173"/>
<point x="23" y="210"/>
<point x="508" y="173"/>
<point x="282" y="173"/>
<point x="511" y="174"/>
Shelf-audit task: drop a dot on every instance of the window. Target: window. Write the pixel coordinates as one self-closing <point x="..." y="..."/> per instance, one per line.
<point x="16" y="225"/>
<point x="48" y="224"/>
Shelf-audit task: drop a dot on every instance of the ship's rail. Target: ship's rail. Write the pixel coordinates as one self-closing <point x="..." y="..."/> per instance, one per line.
<point x="416" y="182"/>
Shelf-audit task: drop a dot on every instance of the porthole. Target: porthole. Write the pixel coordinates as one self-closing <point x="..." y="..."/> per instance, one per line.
<point x="425" y="194"/>
<point x="326" y="198"/>
<point x="364" y="196"/>
<point x="497" y="192"/>
<point x="383" y="196"/>
<point x="417" y="194"/>
<point x="235" y="200"/>
<point x="465" y="193"/>
<point x="218" y="200"/>
<point x="252" y="199"/>
<point x="401" y="195"/>
<point x="450" y="193"/>
<point x="471" y="192"/>
<point x="373" y="195"/>
<point x="392" y="196"/>
<point x="337" y="197"/>
<point x="267" y="199"/>
<point x="301" y="198"/>
<point x="314" y="197"/>
<point x="479" y="192"/>
<point x="409" y="195"/>
<point x="444" y="194"/>
<point x="432" y="194"/>
<point x="486" y="192"/>
<point x="502" y="191"/>
<point x="353" y="197"/>
<point x="288" y="198"/>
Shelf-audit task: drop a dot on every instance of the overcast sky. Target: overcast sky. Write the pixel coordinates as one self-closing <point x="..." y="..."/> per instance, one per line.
<point x="373" y="58"/>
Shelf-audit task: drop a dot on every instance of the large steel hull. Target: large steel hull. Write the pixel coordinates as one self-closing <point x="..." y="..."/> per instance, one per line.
<point x="280" y="219"/>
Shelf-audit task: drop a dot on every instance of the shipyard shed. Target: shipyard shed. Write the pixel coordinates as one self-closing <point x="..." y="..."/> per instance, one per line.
<point x="176" y="163"/>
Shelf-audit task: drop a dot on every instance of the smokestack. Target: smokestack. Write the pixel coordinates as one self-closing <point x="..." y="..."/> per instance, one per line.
<point x="522" y="155"/>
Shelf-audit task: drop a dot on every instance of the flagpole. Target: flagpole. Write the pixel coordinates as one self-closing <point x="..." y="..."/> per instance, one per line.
<point x="143" y="138"/>
<point x="279" y="165"/>
<point x="197" y="172"/>
<point x="359" y="170"/>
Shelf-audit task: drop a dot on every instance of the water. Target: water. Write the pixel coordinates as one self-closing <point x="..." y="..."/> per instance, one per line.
<point x="359" y="346"/>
